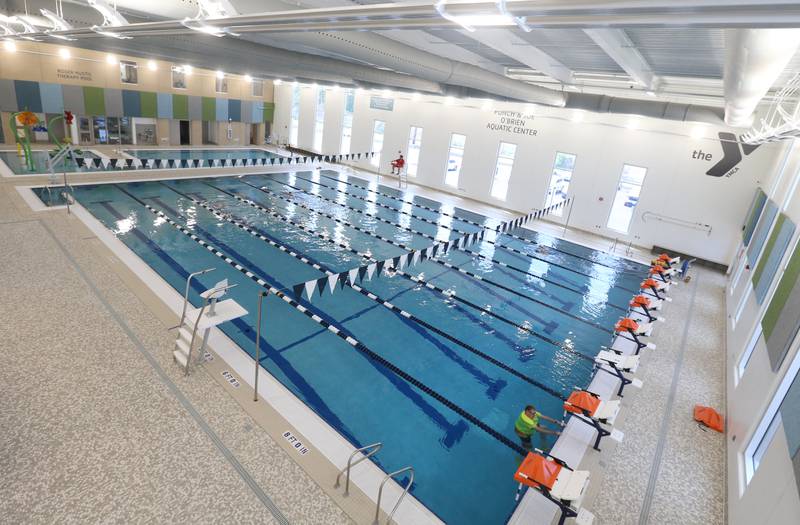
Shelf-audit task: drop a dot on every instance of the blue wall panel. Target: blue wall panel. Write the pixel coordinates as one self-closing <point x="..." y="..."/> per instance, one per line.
<point x="113" y="101"/>
<point x="8" y="95"/>
<point x="235" y="110"/>
<point x="164" y="105"/>
<point x="52" y="98"/>
<point x="28" y="96"/>
<point x="760" y="233"/>
<point x="258" y="112"/>
<point x="222" y="109"/>
<point x="131" y="103"/>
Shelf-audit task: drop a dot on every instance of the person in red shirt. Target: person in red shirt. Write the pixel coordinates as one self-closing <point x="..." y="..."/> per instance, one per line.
<point x="397" y="165"/>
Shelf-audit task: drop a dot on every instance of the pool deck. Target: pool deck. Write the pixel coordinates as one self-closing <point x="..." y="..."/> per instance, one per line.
<point x="127" y="437"/>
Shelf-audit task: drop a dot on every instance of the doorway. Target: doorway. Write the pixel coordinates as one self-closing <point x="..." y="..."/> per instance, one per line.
<point x="184" y="133"/>
<point x="254" y="134"/>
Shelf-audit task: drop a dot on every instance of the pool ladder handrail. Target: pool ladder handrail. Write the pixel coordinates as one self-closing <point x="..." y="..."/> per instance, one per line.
<point x="399" y="500"/>
<point x="186" y="296"/>
<point x="375" y="448"/>
<point x="211" y="300"/>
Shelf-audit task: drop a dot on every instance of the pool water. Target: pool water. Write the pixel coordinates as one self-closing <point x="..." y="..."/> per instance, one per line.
<point x="544" y="335"/>
<point x="205" y="154"/>
<point x="40" y="158"/>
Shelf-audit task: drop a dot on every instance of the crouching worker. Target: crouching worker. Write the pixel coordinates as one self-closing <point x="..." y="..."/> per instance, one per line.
<point x="528" y="423"/>
<point x="397" y="165"/>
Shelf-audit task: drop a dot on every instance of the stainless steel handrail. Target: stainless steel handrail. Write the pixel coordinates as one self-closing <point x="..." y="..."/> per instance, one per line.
<point x="186" y="295"/>
<point x="206" y="302"/>
<point x="375" y="446"/>
<point x="261" y="296"/>
<point x="403" y="495"/>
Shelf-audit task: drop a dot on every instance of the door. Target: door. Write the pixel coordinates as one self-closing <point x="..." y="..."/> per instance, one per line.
<point x="254" y="134"/>
<point x="85" y="131"/>
<point x="184" y="133"/>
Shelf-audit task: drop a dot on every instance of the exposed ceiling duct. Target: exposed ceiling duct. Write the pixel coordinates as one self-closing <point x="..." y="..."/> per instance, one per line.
<point x="754" y="59"/>
<point x="645" y="108"/>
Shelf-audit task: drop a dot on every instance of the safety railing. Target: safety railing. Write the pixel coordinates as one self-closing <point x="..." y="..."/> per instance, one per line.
<point x="373" y="449"/>
<point x="399" y="500"/>
<point x="186" y="296"/>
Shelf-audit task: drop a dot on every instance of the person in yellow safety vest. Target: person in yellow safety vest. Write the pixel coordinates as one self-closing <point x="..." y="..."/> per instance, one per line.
<point x="528" y="423"/>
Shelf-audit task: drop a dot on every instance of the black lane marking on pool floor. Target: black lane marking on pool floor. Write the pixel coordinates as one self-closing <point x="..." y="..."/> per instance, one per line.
<point x="456" y="230"/>
<point x="445" y="293"/>
<point x="341" y="333"/>
<point x="439" y="212"/>
<point x="324" y="269"/>
<point x="443" y="263"/>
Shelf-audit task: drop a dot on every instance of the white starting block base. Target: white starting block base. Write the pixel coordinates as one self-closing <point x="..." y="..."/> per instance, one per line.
<point x="570" y="485"/>
<point x="637" y="383"/>
<point x="617" y="435"/>
<point x="584" y="517"/>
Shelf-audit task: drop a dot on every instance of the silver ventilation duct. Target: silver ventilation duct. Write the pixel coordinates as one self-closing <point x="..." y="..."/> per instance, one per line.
<point x="645" y="108"/>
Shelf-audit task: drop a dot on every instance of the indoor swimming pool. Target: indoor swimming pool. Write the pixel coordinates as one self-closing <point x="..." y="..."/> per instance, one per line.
<point x="204" y="154"/>
<point x="519" y="324"/>
<point x="17" y="164"/>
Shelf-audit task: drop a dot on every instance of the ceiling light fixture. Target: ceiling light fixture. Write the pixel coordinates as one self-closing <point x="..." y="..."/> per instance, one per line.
<point x="521" y="21"/>
<point x="487" y="105"/>
<point x="440" y="8"/>
<point x="632" y="124"/>
<point x="577" y="116"/>
<point x="277" y="82"/>
<point x="698" y="132"/>
<point x="449" y="100"/>
<point x="151" y="65"/>
<point x="111" y="18"/>
<point x="387" y="93"/>
<point x="220" y="75"/>
<point x="187" y="69"/>
<point x="59" y="24"/>
<point x="10" y="46"/>
<point x="111" y="60"/>
<point x="248" y="79"/>
<point x="211" y="11"/>
<point x="64" y="53"/>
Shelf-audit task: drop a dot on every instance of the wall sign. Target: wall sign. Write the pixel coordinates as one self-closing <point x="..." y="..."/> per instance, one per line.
<point x="71" y="74"/>
<point x="296" y="443"/>
<point x="230" y="378"/>
<point x="732" y="149"/>
<point x="513" y="122"/>
<point x="384" y="104"/>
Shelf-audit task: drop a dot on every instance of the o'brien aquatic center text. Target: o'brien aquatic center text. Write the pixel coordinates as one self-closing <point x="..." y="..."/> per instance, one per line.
<point x="512" y="122"/>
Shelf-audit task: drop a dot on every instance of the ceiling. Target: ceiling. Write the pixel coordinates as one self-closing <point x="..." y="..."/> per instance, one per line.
<point x="659" y="55"/>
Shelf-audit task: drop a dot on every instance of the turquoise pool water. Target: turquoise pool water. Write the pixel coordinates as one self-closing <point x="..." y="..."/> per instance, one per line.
<point x="536" y="322"/>
<point x="205" y="154"/>
<point x="18" y="166"/>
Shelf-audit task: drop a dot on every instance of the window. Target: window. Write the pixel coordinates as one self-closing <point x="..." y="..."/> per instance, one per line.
<point x="257" y="88"/>
<point x="454" y="157"/>
<point x="502" y="170"/>
<point x="319" y="119"/>
<point x="347" y="121"/>
<point x="630" y="186"/>
<point x="295" y="115"/>
<point x="221" y="85"/>
<point x="128" y="72"/>
<point x="178" y="78"/>
<point x="782" y="409"/>
<point x="377" y="142"/>
<point x="559" y="181"/>
<point x="414" y="145"/>
<point x="748" y="352"/>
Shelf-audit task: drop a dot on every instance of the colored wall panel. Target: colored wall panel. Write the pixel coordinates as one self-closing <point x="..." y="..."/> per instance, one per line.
<point x="222" y="109"/>
<point x="180" y="107"/>
<point x="247" y="111"/>
<point x="258" y="112"/>
<point x="28" y="95"/>
<point x="94" y="101"/>
<point x="195" y="108"/>
<point x="73" y="99"/>
<point x="52" y="98"/>
<point x="131" y="103"/>
<point x="113" y="101"/>
<point x="760" y="234"/>
<point x="773" y="254"/>
<point x="235" y="109"/>
<point x="8" y="96"/>
<point x="164" y="105"/>
<point x="149" y="104"/>
<point x="269" y="111"/>
<point x="782" y="319"/>
<point x="753" y="214"/>
<point x="209" y="109"/>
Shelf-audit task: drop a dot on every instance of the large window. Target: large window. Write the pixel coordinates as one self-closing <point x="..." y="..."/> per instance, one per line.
<point x="347" y="121"/>
<point x="784" y="408"/>
<point x="502" y="170"/>
<point x="377" y="142"/>
<point x="455" y="156"/>
<point x="294" y="120"/>
<point x="414" y="146"/>
<point x="630" y="186"/>
<point x="178" y="78"/>
<point x="128" y="72"/>
<point x="257" y="88"/>
<point x="319" y="119"/>
<point x="748" y="352"/>
<point x="221" y="84"/>
<point x="559" y="180"/>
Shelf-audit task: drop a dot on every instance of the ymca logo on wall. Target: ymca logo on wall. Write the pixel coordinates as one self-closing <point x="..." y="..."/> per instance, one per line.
<point x="732" y="149"/>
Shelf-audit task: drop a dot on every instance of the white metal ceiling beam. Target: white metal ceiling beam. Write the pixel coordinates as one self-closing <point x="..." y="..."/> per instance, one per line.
<point x="514" y="47"/>
<point x="619" y="47"/>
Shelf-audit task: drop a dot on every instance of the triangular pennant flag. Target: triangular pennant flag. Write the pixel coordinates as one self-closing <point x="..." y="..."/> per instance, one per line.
<point x="321" y="282"/>
<point x="342" y="279"/>
<point x="415" y="256"/>
<point x="280" y="160"/>
<point x="352" y="275"/>
<point x="298" y="290"/>
<point x="371" y="270"/>
<point x="80" y="161"/>
<point x="388" y="263"/>
<point x="359" y="156"/>
<point x="396" y="262"/>
<point x="379" y="266"/>
<point x="426" y="253"/>
<point x="403" y="261"/>
<point x="310" y="286"/>
<point x="435" y="250"/>
<point x="332" y="280"/>
<point x="272" y="161"/>
<point x="113" y="162"/>
<point x="128" y="162"/>
<point x="362" y="271"/>
<point x="96" y="162"/>
<point x="150" y="163"/>
<point x="105" y="161"/>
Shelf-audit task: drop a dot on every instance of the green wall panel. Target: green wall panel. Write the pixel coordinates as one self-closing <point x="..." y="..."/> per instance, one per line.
<point x="753" y="214"/>
<point x="180" y="107"/>
<point x="269" y="111"/>
<point x="782" y="319"/>
<point x="94" y="101"/>
<point x="149" y="104"/>
<point x="209" y="108"/>
<point x="762" y="263"/>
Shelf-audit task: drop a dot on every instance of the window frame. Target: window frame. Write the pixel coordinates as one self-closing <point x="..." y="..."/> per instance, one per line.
<point x="179" y="70"/>
<point x="294" y="116"/>
<point x="619" y="181"/>
<point x="558" y="212"/>
<point x="345" y="113"/>
<point x="123" y="64"/>
<point x="253" y="84"/>
<point x="409" y="163"/>
<point x="375" y="160"/>
<point x="221" y="83"/>
<point x="497" y="167"/>
<point x="447" y="161"/>
<point x="319" y="124"/>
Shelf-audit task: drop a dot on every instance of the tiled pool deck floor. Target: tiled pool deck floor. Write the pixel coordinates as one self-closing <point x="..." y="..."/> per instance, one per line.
<point x="97" y="423"/>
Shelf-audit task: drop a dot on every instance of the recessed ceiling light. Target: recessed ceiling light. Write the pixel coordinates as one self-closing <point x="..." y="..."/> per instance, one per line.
<point x="487" y="105"/>
<point x="220" y="74"/>
<point x="577" y="116"/>
<point x="632" y="124"/>
<point x="187" y="69"/>
<point x="151" y="65"/>
<point x="64" y="53"/>
<point x="277" y="82"/>
<point x="248" y="78"/>
<point x="698" y="132"/>
<point x="111" y="59"/>
<point x="10" y="46"/>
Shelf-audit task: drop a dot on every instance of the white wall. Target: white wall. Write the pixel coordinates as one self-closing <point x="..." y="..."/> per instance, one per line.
<point x="675" y="186"/>
<point x="771" y="497"/>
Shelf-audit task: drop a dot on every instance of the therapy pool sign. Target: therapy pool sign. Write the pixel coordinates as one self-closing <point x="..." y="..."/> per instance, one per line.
<point x="513" y="122"/>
